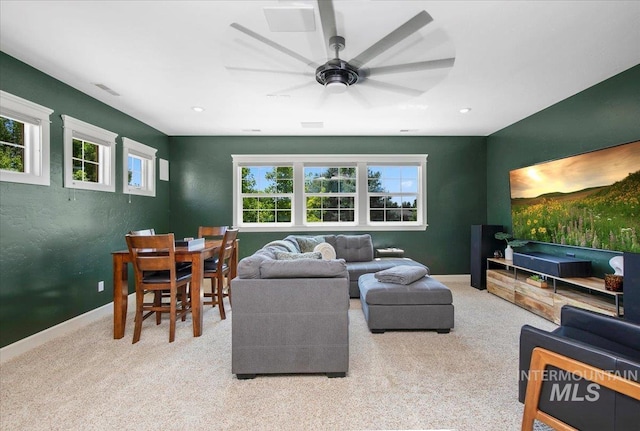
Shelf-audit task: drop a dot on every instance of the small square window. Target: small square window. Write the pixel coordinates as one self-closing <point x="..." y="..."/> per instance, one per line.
<point x="24" y="141"/>
<point x="139" y="176"/>
<point x="89" y="156"/>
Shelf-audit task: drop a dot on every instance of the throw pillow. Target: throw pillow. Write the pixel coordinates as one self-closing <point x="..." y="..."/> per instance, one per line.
<point x="285" y="255"/>
<point x="326" y="250"/>
<point x="308" y="243"/>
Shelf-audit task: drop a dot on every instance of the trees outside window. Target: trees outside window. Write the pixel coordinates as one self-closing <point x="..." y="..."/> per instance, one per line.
<point x="329" y="192"/>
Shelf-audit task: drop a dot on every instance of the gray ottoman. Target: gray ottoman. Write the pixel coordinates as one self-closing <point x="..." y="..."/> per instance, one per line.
<point x="424" y="304"/>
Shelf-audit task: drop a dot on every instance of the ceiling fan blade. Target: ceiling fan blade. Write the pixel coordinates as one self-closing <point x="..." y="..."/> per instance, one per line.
<point x="328" y="21"/>
<point x="391" y="87"/>
<point x="411" y="67"/>
<point x="295" y="87"/>
<point x="397" y="35"/>
<point x="280" y="72"/>
<point x="357" y="95"/>
<point x="274" y="45"/>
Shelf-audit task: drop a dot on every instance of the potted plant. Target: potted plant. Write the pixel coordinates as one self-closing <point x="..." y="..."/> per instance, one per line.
<point x="538" y="281"/>
<point x="511" y="243"/>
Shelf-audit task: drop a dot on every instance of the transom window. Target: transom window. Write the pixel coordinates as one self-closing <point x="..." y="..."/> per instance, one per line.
<point x="329" y="192"/>
<point x="139" y="177"/>
<point x="89" y="156"/>
<point x="24" y="141"/>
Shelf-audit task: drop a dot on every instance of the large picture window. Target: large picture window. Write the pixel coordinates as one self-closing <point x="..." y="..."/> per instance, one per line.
<point x="330" y="192"/>
<point x="24" y="141"/>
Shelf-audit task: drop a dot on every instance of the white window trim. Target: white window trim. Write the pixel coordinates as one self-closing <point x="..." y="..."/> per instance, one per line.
<point x="39" y="150"/>
<point x="74" y="128"/>
<point x="148" y="154"/>
<point x="361" y="161"/>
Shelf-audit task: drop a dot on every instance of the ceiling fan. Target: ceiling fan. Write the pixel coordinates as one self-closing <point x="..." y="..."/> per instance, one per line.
<point x="337" y="74"/>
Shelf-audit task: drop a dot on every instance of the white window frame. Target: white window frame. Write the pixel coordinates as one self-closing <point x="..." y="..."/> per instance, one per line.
<point x="37" y="141"/>
<point x="148" y="156"/>
<point x="299" y="161"/>
<point x="77" y="129"/>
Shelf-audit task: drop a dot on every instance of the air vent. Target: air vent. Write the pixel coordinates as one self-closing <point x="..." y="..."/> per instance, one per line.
<point x="107" y="89"/>
<point x="290" y="18"/>
<point x="312" y="124"/>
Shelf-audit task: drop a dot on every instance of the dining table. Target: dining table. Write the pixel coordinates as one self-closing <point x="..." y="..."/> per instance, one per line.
<point x="195" y="256"/>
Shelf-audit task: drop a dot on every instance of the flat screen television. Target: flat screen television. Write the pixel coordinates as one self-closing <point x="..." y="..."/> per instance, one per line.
<point x="588" y="200"/>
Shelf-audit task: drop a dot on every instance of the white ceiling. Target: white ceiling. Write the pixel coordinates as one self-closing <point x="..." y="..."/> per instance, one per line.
<point x="513" y="58"/>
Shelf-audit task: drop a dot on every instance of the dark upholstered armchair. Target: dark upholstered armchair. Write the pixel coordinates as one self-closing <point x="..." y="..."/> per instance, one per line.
<point x="607" y="343"/>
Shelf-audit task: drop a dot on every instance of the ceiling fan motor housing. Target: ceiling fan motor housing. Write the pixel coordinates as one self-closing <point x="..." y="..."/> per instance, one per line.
<point x="337" y="71"/>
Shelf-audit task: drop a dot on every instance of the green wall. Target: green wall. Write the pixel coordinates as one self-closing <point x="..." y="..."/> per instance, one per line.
<point x="54" y="249"/>
<point x="55" y="244"/>
<point x="604" y="115"/>
<point x="201" y="188"/>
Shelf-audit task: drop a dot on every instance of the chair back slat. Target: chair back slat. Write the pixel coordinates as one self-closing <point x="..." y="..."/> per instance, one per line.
<point x="211" y="231"/>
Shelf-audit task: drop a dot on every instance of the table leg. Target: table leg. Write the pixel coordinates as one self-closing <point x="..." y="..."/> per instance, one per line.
<point x="197" y="295"/>
<point x="120" y="293"/>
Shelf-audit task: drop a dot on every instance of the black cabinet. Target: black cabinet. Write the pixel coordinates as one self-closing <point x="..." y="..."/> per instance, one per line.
<point x="483" y="244"/>
<point x="631" y="287"/>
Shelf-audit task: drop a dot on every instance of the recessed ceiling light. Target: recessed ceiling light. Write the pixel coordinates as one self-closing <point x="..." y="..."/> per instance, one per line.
<point x="465" y="110"/>
<point x="197" y="108"/>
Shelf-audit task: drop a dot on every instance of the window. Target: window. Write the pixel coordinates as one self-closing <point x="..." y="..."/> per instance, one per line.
<point x="139" y="177"/>
<point x="24" y="141"/>
<point x="266" y="194"/>
<point x="89" y="156"/>
<point x="330" y="192"/>
<point x="393" y="193"/>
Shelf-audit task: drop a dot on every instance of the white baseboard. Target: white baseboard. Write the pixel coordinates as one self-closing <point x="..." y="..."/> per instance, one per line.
<point x="21" y="346"/>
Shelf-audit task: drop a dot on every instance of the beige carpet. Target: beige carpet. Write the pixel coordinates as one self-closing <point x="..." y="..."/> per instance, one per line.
<point x="465" y="380"/>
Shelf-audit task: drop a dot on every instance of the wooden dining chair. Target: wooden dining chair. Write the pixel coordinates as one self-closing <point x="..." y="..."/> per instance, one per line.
<point x="218" y="270"/>
<point x="154" y="264"/>
<point x="212" y="232"/>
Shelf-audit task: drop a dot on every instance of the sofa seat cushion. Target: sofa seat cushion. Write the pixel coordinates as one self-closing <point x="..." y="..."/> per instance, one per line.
<point x="425" y="291"/>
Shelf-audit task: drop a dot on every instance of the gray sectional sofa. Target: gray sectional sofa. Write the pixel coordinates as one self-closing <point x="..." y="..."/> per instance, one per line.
<point x="290" y="308"/>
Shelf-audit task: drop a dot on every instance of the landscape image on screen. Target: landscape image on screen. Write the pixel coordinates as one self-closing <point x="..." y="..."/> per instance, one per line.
<point x="589" y="200"/>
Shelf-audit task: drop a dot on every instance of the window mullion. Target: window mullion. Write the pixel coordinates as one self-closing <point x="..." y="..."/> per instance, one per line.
<point x="362" y="200"/>
<point x="299" y="201"/>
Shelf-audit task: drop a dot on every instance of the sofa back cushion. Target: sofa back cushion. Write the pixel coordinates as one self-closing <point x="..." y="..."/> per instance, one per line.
<point x="312" y="268"/>
<point x="354" y="248"/>
<point x="249" y="267"/>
